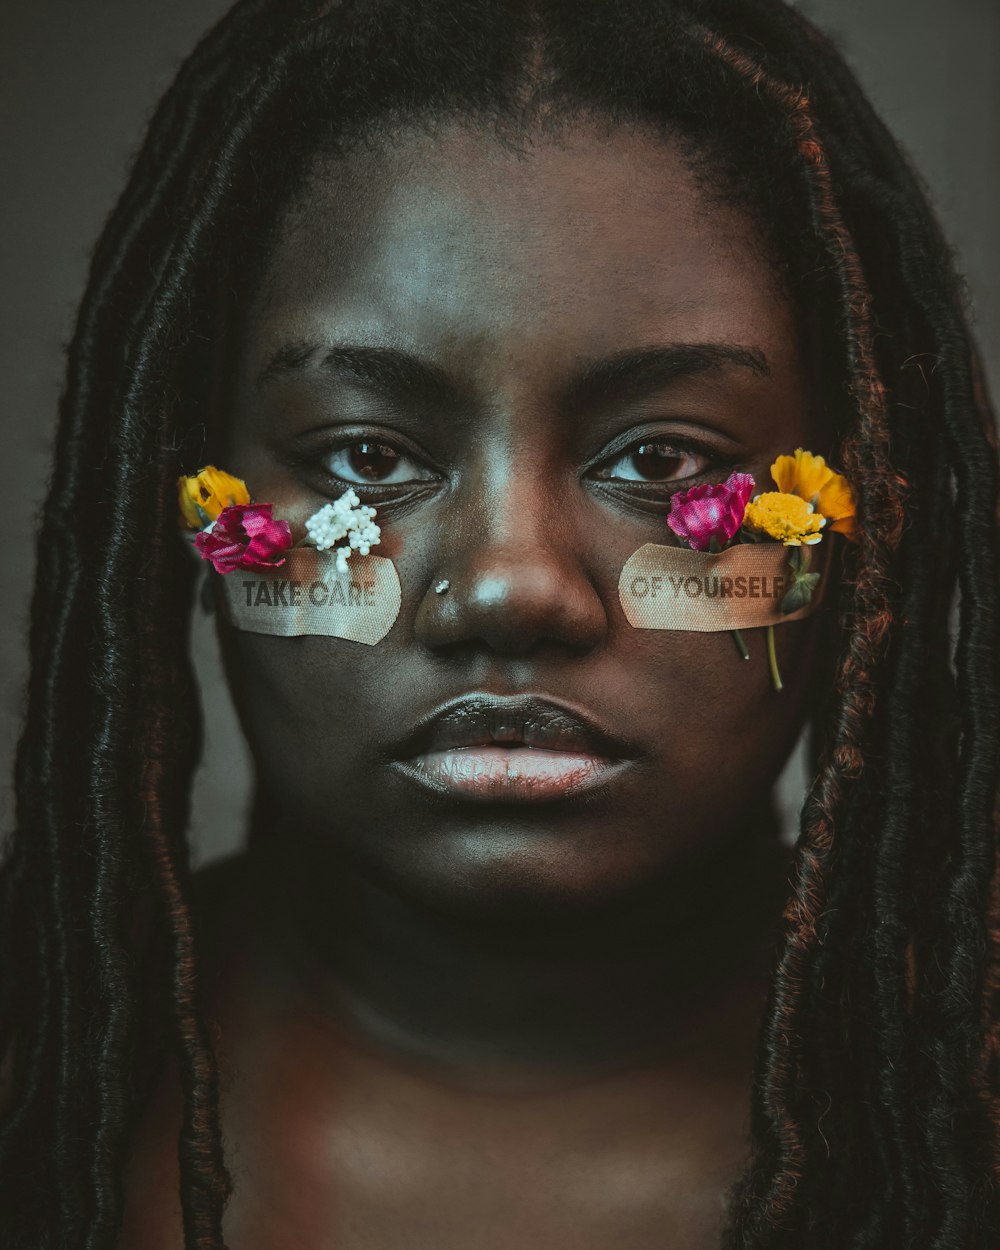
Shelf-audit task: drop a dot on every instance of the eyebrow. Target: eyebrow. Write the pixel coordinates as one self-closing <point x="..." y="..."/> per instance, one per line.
<point x="385" y="369"/>
<point x="633" y="374"/>
<point x="624" y="375"/>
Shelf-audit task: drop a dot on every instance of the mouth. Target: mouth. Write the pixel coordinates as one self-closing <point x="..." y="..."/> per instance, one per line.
<point x="510" y="749"/>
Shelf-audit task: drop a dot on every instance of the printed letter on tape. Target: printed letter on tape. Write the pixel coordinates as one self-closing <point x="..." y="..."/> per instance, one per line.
<point x="743" y="586"/>
<point x="306" y="595"/>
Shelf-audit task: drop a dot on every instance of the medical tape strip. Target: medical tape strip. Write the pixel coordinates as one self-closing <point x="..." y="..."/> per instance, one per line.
<point x="741" y="587"/>
<point x="306" y="595"/>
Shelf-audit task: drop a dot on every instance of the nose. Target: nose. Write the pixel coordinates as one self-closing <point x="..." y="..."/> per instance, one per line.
<point x="515" y="566"/>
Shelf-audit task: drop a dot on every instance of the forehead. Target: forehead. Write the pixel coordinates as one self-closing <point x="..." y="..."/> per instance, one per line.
<point x="586" y="242"/>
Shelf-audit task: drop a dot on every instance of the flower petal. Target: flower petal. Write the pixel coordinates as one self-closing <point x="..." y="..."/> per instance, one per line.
<point x="710" y="511"/>
<point x="245" y="536"/>
<point x="801" y="474"/>
<point x="203" y="495"/>
<point x="787" y="517"/>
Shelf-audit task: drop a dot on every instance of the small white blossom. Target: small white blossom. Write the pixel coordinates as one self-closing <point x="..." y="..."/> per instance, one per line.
<point x="346" y="518"/>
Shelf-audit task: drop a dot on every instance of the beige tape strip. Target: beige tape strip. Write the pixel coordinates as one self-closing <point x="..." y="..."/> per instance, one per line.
<point x="677" y="588"/>
<point x="306" y="596"/>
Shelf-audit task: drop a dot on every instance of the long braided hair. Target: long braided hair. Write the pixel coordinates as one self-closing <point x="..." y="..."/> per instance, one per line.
<point x="875" y="1114"/>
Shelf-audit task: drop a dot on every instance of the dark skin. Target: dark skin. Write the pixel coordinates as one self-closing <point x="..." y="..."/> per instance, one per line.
<point x="440" y="1023"/>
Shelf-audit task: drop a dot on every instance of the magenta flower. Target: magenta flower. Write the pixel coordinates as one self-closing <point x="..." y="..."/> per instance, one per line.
<point x="710" y="511"/>
<point x="244" y="536"/>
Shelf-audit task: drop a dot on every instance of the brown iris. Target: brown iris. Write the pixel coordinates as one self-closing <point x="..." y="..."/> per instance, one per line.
<point x="653" y="460"/>
<point x="372" y="461"/>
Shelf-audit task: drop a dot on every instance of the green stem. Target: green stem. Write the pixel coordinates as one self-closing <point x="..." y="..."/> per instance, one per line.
<point x="741" y="644"/>
<point x="772" y="658"/>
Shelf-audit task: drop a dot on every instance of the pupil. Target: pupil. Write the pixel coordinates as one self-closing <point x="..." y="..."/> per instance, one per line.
<point x="372" y="460"/>
<point x="652" y="459"/>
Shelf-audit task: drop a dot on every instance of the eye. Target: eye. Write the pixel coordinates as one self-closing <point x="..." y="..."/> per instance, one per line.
<point x="374" y="462"/>
<point x="657" y="461"/>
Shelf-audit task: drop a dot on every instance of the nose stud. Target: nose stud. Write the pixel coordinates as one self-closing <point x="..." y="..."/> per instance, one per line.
<point x="442" y="586"/>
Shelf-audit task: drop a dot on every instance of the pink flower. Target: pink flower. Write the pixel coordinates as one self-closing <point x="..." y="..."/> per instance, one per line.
<point x="710" y="511"/>
<point x="244" y="536"/>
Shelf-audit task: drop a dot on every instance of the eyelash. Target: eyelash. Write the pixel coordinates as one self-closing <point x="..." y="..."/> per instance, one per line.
<point x="675" y="443"/>
<point x="716" y="467"/>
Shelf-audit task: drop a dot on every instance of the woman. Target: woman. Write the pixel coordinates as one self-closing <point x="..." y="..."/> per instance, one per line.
<point x="517" y="275"/>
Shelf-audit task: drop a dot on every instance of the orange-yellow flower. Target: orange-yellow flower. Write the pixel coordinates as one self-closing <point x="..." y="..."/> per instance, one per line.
<point x="203" y="495"/>
<point x="830" y="493"/>
<point x="788" y="518"/>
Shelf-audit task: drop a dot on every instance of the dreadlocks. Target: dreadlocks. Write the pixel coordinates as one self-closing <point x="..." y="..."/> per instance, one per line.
<point x="876" y="1104"/>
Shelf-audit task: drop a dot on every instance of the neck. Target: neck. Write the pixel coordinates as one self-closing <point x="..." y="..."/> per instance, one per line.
<point x="507" y="1000"/>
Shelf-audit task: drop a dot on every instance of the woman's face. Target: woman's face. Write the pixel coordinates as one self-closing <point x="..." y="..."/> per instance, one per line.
<point x="516" y="326"/>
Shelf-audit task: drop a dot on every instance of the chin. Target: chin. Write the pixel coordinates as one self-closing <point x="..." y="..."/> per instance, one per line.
<point x="512" y="874"/>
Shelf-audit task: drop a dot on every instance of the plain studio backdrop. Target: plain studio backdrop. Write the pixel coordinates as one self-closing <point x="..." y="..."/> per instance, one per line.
<point x="78" y="81"/>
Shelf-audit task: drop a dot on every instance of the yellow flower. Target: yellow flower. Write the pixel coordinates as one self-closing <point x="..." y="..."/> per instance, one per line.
<point x="203" y="495"/>
<point x="829" y="492"/>
<point x="789" y="518"/>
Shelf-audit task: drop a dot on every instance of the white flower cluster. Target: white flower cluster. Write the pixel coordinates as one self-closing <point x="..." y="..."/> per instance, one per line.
<point x="346" y="518"/>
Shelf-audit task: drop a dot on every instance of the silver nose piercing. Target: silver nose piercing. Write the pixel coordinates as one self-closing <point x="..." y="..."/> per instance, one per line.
<point x="442" y="586"/>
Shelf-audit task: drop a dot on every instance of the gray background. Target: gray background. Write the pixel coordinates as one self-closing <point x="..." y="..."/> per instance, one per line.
<point x="78" y="79"/>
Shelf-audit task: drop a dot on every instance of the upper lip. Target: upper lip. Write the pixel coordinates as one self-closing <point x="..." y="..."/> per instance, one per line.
<point x="484" y="719"/>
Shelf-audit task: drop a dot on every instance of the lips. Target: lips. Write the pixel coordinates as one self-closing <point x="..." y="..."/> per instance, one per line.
<point x="519" y="748"/>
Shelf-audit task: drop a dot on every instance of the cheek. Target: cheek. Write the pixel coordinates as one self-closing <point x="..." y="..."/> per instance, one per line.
<point x="310" y="710"/>
<point x="724" y="733"/>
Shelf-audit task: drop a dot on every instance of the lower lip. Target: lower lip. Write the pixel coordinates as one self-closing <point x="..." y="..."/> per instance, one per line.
<point x="509" y="774"/>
